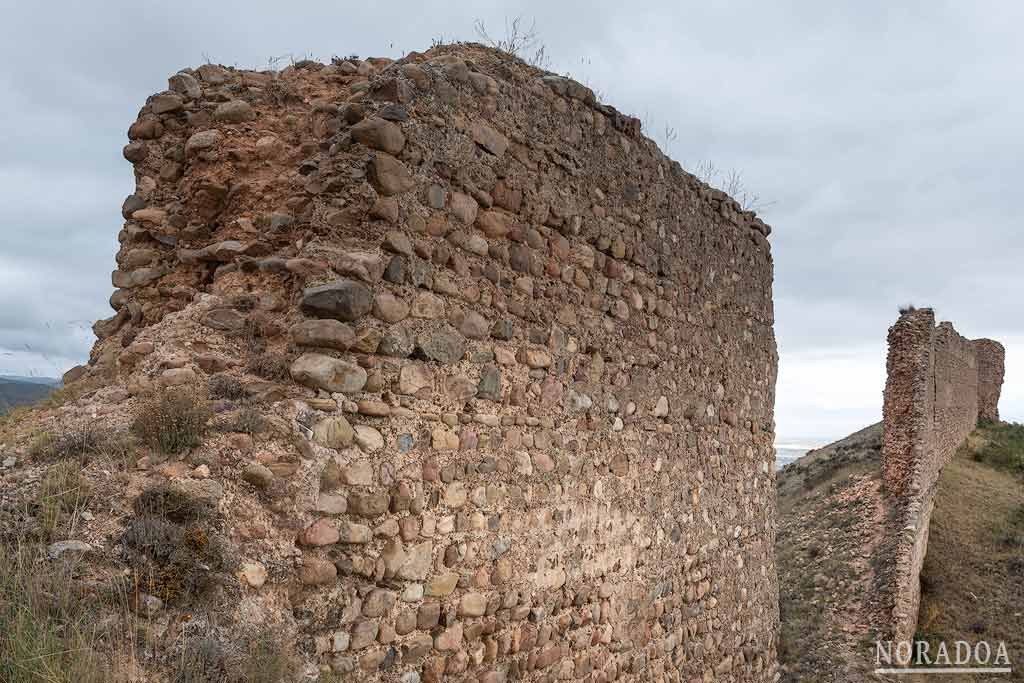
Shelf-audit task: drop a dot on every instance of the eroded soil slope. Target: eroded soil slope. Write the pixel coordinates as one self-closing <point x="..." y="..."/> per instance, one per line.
<point x="831" y="518"/>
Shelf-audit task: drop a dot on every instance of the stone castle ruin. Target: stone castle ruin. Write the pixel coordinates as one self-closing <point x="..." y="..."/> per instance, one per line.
<point x="518" y="368"/>
<point x="855" y="515"/>
<point x="939" y="387"/>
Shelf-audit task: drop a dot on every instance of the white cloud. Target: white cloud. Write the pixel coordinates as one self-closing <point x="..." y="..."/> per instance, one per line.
<point x="825" y="395"/>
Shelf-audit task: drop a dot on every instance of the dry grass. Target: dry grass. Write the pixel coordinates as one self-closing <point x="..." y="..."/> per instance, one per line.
<point x="69" y="393"/>
<point x="81" y="442"/>
<point x="172" y="420"/>
<point x="11" y="419"/>
<point x="260" y="658"/>
<point x="268" y="661"/>
<point x="62" y="495"/>
<point x="48" y="632"/>
<point x="972" y="583"/>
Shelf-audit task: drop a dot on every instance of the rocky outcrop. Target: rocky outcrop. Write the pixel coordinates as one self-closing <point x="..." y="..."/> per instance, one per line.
<point x="519" y="368"/>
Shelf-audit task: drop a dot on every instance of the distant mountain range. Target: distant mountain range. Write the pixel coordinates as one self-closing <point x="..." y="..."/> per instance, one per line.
<point x="50" y="381"/>
<point x="16" y="391"/>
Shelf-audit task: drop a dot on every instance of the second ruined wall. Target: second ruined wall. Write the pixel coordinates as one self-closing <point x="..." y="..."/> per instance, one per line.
<point x="939" y="385"/>
<point x="991" y="367"/>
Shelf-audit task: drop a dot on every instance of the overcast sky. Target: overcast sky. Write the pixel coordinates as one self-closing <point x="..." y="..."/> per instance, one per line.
<point x="884" y="142"/>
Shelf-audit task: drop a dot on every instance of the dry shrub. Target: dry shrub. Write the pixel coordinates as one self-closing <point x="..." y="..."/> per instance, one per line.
<point x="225" y="387"/>
<point x="244" y="303"/>
<point x="247" y="420"/>
<point x="172" y="420"/>
<point x="518" y="41"/>
<point x="202" y="660"/>
<point x="173" y="504"/>
<point x="275" y="367"/>
<point x="171" y="546"/>
<point x="67" y="443"/>
<point x="251" y="337"/>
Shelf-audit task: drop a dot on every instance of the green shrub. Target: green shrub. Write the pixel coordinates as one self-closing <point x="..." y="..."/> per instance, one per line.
<point x="1001" y="445"/>
<point x="172" y="420"/>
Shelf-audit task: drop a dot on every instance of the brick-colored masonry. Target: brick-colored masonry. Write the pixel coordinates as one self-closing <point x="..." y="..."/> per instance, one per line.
<point x="532" y="366"/>
<point x="939" y="385"/>
<point x="991" y="367"/>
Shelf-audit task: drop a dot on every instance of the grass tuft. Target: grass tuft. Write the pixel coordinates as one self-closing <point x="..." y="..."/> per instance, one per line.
<point x="81" y="442"/>
<point x="62" y="494"/>
<point x="48" y="633"/>
<point x="202" y="660"/>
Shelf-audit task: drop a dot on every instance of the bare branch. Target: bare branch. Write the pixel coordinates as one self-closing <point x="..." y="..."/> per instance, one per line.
<point x="518" y="41"/>
<point x="732" y="184"/>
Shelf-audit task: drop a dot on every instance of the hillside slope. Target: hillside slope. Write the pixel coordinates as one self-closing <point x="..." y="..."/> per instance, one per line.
<point x="830" y="554"/>
<point x="14" y="393"/>
<point x="972" y="584"/>
<point x="830" y="540"/>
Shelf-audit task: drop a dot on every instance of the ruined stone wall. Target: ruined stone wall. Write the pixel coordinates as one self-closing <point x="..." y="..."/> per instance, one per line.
<point x="934" y="394"/>
<point x="991" y="367"/>
<point x="529" y="367"/>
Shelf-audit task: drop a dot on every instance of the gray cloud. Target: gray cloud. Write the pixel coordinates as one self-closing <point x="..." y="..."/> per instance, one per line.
<point x="885" y="137"/>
